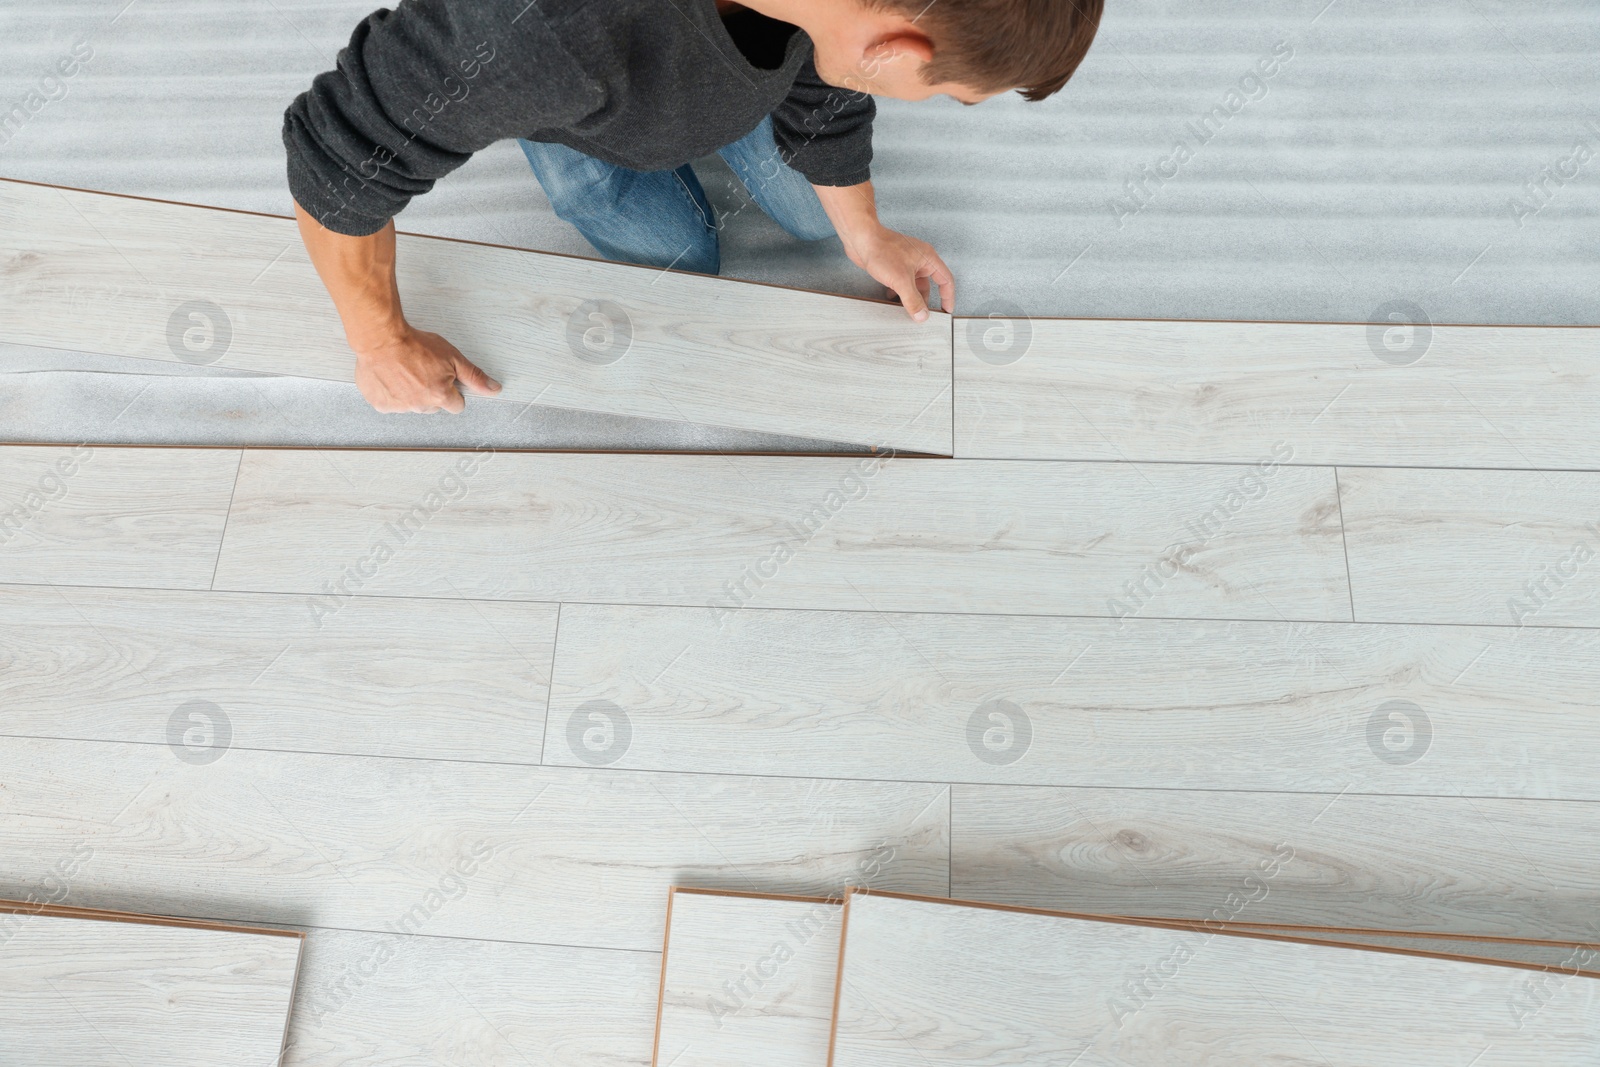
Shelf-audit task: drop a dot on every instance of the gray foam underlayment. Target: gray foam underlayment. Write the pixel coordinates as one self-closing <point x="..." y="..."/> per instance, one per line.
<point x="1380" y="163"/>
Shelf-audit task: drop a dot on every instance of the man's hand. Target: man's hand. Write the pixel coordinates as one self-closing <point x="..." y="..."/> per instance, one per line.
<point x="398" y="367"/>
<point x="418" y="371"/>
<point x="904" y="264"/>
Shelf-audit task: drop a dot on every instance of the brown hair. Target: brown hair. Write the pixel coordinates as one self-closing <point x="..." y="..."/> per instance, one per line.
<point x="992" y="45"/>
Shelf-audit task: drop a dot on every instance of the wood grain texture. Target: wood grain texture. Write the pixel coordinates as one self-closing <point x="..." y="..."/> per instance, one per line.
<point x="747" y="981"/>
<point x="930" y="983"/>
<point x="1509" y="548"/>
<point x="444" y="849"/>
<point x="1481" y="396"/>
<point x="860" y="534"/>
<point x="117" y="275"/>
<point x="395" y="1000"/>
<point x="434" y="679"/>
<point x="112" y="516"/>
<point x="1564" y="958"/>
<point x="1456" y="865"/>
<point x="82" y="991"/>
<point x="1302" y="707"/>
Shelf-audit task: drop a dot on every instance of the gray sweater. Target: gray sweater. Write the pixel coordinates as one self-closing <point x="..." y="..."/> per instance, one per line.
<point x="645" y="84"/>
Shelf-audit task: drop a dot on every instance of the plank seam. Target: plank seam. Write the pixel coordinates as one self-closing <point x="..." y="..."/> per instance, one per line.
<point x="227" y="514"/>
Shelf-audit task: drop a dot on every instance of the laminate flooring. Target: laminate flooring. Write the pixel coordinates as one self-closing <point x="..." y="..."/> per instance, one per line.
<point x="471" y="764"/>
<point x="1402" y="392"/>
<point x="174" y="282"/>
<point x="747" y="980"/>
<point x="934" y="982"/>
<point x="87" y="989"/>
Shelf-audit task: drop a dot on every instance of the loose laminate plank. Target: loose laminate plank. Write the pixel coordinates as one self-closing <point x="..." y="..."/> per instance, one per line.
<point x="176" y="282"/>
<point x="1478" y="396"/>
<point x="81" y="515"/>
<point x="1450" y="865"/>
<point x="203" y="671"/>
<point x="1301" y="707"/>
<point x="927" y="983"/>
<point x="747" y="980"/>
<point x="450" y="849"/>
<point x="883" y="534"/>
<point x="1508" y="548"/>
<point x="82" y="990"/>
<point x="392" y="999"/>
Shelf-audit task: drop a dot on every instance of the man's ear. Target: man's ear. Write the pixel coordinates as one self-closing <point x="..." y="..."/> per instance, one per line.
<point x="904" y="49"/>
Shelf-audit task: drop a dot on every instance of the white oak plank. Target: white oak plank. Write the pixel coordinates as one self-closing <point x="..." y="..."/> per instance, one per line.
<point x="747" y="980"/>
<point x="859" y="534"/>
<point x="1513" y="548"/>
<point x="434" y="679"/>
<point x="1303" y="707"/>
<point x="1482" y="396"/>
<point x="1454" y="865"/>
<point x="450" y="849"/>
<point x="176" y="282"/>
<point x="81" y="515"/>
<point x="386" y="1000"/>
<point x="929" y="983"/>
<point x="82" y="991"/>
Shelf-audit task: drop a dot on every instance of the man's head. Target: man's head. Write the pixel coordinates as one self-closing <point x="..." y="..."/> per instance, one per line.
<point x="968" y="49"/>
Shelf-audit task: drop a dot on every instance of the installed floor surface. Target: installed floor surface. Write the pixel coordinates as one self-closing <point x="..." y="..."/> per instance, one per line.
<point x="465" y="717"/>
<point x="1420" y="152"/>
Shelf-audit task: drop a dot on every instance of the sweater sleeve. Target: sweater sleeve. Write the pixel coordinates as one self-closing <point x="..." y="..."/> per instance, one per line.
<point x="414" y="94"/>
<point x="825" y="132"/>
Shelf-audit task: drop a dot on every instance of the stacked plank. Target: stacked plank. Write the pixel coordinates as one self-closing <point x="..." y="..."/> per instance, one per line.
<point x="83" y="986"/>
<point x="886" y="979"/>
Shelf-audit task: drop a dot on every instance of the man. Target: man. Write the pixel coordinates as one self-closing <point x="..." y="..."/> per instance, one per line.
<point x="611" y="99"/>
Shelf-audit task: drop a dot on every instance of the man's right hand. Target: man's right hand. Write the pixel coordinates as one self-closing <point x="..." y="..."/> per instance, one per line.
<point x="398" y="367"/>
<point x="418" y="371"/>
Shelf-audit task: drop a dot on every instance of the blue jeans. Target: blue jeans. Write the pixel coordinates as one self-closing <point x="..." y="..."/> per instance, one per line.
<point x="661" y="218"/>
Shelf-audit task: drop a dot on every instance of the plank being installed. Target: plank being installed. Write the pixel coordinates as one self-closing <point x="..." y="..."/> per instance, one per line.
<point x="1506" y="548"/>
<point x="929" y="982"/>
<point x="81" y="515"/>
<point x="747" y="979"/>
<point x="441" y="848"/>
<point x="202" y="671"/>
<point x="1480" y="867"/>
<point x="79" y="989"/>
<point x="157" y="280"/>
<point x="1400" y="393"/>
<point x="1302" y="707"/>
<point x="868" y="534"/>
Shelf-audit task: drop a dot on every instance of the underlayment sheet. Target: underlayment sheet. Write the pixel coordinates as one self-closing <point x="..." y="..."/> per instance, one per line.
<point x="1443" y="154"/>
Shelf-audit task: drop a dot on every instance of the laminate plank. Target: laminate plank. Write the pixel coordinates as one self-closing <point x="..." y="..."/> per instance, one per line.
<point x="386" y="999"/>
<point x="511" y="853"/>
<point x="747" y="980"/>
<point x="929" y="982"/>
<point x="78" y="990"/>
<point x="113" y="516"/>
<point x="176" y="282"/>
<point x="1509" y="548"/>
<point x="881" y="534"/>
<point x="205" y="671"/>
<point x="1448" y="865"/>
<point x="1472" y="396"/>
<point x="1300" y="707"/>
